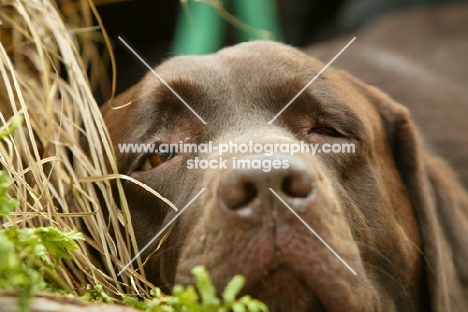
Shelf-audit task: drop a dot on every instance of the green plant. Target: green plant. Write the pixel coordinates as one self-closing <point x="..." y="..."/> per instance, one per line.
<point x="29" y="256"/>
<point x="97" y="294"/>
<point x="7" y="204"/>
<point x="201" y="298"/>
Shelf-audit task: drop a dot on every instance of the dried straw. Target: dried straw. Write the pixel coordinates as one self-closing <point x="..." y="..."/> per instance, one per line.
<point x="57" y="183"/>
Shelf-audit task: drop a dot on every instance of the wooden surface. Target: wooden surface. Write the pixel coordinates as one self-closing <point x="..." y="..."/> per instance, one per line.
<point x="58" y="303"/>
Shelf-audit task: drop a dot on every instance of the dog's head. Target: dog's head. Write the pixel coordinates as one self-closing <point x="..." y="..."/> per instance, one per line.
<point x="359" y="226"/>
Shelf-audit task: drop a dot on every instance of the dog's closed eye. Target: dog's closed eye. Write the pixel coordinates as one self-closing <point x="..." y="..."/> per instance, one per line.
<point x="155" y="159"/>
<point x="328" y="131"/>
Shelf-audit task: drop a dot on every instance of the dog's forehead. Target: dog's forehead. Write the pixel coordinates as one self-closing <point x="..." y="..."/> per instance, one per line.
<point x="263" y="75"/>
<point x="247" y="66"/>
<point x="256" y="57"/>
<point x="268" y="53"/>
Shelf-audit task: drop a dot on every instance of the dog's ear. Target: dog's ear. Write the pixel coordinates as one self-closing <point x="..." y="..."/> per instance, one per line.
<point x="440" y="203"/>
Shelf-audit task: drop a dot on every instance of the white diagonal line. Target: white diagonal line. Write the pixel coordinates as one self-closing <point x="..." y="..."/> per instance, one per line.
<point x="160" y="232"/>
<point x="313" y="232"/>
<point x="310" y="82"/>
<point x="162" y="80"/>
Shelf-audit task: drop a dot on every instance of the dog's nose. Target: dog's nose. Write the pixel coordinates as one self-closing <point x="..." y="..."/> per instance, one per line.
<point x="247" y="190"/>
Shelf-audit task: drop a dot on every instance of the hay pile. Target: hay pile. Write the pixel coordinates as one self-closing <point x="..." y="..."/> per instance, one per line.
<point x="49" y="68"/>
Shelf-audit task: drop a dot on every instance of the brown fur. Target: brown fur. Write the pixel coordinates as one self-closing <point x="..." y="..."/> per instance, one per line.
<point x="392" y="211"/>
<point x="420" y="59"/>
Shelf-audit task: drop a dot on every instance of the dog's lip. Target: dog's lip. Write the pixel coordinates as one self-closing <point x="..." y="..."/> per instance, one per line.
<point x="284" y="261"/>
<point x="315" y="303"/>
<point x="318" y="301"/>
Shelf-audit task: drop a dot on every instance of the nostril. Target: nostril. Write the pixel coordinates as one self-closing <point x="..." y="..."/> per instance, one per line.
<point x="298" y="184"/>
<point x="239" y="196"/>
<point x="244" y="191"/>
<point x="250" y="192"/>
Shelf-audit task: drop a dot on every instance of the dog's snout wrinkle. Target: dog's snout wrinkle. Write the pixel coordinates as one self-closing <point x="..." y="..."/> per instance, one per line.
<point x="245" y="190"/>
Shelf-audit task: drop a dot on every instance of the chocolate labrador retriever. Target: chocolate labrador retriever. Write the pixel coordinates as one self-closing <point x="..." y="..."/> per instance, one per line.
<point x="383" y="228"/>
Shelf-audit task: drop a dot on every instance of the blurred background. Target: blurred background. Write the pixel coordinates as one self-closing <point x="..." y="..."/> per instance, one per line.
<point x="158" y="29"/>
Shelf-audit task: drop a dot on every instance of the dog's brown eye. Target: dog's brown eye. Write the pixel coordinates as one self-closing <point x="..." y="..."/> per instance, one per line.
<point x="329" y="131"/>
<point x="154" y="160"/>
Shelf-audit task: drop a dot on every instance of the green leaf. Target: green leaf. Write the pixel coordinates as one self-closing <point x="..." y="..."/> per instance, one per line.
<point x="205" y="287"/>
<point x="256" y="306"/>
<point x="11" y="126"/>
<point x="7" y="205"/>
<point x="25" y="264"/>
<point x="233" y="288"/>
<point x="58" y="243"/>
<point x="155" y="292"/>
<point x="201" y="299"/>
<point x="97" y="294"/>
<point x="134" y="302"/>
<point x="238" y="307"/>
